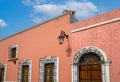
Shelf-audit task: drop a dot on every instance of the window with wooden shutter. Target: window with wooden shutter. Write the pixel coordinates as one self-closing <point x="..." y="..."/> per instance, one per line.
<point x="13" y="54"/>
<point x="49" y="72"/>
<point x="24" y="74"/>
<point x="25" y="70"/>
<point x="2" y="72"/>
<point x="49" y="69"/>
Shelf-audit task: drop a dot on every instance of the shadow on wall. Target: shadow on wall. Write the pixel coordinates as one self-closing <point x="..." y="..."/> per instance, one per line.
<point x="69" y="49"/>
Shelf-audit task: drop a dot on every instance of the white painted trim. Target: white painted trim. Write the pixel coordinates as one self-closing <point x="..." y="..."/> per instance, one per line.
<point x="57" y="69"/>
<point x="107" y="70"/>
<point x="5" y="72"/>
<point x="95" y="25"/>
<point x="72" y="71"/>
<point x="30" y="71"/>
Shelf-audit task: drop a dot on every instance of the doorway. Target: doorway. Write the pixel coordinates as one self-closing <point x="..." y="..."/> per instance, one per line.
<point x="90" y="64"/>
<point x="90" y="68"/>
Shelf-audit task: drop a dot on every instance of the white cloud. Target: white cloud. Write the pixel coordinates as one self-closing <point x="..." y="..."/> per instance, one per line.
<point x="39" y="1"/>
<point x="83" y="8"/>
<point x="32" y="2"/>
<point x="2" y="23"/>
<point x="37" y="19"/>
<point x="27" y="2"/>
<point x="48" y="9"/>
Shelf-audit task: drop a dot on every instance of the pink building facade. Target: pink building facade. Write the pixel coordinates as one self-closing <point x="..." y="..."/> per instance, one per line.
<point x="89" y="53"/>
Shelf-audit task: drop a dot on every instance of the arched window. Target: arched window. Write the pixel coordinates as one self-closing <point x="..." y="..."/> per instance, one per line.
<point x="90" y="64"/>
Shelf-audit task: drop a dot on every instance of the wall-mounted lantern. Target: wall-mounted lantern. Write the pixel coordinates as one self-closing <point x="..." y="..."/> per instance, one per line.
<point x="62" y="36"/>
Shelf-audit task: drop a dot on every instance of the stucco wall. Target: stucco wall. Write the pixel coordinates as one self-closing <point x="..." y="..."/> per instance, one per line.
<point x="37" y="43"/>
<point x="41" y="41"/>
<point x="105" y="37"/>
<point x="97" y="19"/>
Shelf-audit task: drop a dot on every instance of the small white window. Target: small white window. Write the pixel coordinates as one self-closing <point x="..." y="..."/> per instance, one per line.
<point x="13" y="54"/>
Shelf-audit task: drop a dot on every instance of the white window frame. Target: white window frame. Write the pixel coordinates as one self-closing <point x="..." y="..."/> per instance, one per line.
<point x="13" y="46"/>
<point x="105" y="66"/>
<point x="5" y="67"/>
<point x="48" y="60"/>
<point x="21" y="64"/>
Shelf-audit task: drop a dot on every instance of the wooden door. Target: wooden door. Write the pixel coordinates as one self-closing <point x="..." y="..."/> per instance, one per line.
<point x="90" y="73"/>
<point x="49" y="72"/>
<point x="25" y="70"/>
<point x="90" y="68"/>
<point x="2" y="74"/>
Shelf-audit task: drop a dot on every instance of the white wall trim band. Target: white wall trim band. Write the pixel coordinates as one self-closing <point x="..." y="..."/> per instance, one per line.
<point x="95" y="25"/>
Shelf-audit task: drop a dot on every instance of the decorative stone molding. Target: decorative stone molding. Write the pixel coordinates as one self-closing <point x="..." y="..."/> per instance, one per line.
<point x="23" y="63"/>
<point x="104" y="66"/>
<point x="88" y="50"/>
<point x="47" y="60"/>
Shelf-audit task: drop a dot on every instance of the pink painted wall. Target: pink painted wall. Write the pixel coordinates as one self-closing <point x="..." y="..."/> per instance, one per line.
<point x="105" y="37"/>
<point x="97" y="19"/>
<point x="41" y="41"/>
<point x="37" y="43"/>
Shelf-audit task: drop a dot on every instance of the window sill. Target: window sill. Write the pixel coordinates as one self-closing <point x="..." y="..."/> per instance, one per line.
<point x="13" y="59"/>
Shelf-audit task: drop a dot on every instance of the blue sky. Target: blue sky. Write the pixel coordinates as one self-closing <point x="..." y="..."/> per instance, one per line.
<point x="18" y="15"/>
